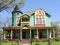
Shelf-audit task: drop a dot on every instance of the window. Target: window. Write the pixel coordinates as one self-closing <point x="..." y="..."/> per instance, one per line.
<point x="39" y="19"/>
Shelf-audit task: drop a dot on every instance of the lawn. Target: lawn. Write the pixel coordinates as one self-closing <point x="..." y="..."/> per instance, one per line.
<point x="46" y="43"/>
<point x="40" y="43"/>
<point x="10" y="43"/>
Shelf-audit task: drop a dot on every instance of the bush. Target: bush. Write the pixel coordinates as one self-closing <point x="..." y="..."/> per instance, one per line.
<point x="57" y="39"/>
<point x="45" y="40"/>
<point x="35" y="40"/>
<point x="37" y="43"/>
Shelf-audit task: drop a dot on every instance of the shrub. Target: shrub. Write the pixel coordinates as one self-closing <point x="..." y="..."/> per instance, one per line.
<point x="57" y="39"/>
<point x="45" y="40"/>
<point x="35" y="40"/>
<point x="37" y="43"/>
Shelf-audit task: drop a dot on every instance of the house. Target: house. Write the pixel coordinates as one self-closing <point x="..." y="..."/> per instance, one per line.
<point x="24" y="26"/>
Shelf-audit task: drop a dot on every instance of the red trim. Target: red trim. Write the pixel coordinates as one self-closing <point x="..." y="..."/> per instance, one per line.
<point x="39" y="24"/>
<point x="12" y="40"/>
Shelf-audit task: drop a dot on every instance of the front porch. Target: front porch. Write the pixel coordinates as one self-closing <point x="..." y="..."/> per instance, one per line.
<point x="18" y="33"/>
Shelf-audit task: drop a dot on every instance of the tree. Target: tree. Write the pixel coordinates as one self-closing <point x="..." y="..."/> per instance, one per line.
<point x="4" y="4"/>
<point x="56" y="27"/>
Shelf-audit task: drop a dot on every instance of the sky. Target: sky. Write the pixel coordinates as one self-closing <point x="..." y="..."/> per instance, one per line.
<point x="50" y="6"/>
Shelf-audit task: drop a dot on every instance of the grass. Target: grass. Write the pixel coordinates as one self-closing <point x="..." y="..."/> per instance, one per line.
<point x="46" y="43"/>
<point x="10" y="43"/>
<point x="55" y="43"/>
<point x="34" y="43"/>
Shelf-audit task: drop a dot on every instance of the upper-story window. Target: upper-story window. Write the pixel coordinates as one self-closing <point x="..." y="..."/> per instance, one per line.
<point x="25" y="18"/>
<point x="39" y="19"/>
<point x="18" y="21"/>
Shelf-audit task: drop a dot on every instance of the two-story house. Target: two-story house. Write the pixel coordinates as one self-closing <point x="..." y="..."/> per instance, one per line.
<point x="24" y="26"/>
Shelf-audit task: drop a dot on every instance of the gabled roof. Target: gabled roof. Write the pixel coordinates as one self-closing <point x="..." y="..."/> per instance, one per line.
<point x="44" y="11"/>
<point x="33" y="12"/>
<point x="25" y="15"/>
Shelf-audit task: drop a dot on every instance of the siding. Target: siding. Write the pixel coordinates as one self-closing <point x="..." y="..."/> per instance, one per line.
<point x="32" y="21"/>
<point x="47" y="21"/>
<point x="14" y="19"/>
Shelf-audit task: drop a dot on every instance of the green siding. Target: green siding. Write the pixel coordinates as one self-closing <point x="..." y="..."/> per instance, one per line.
<point x="32" y="21"/>
<point x="49" y="33"/>
<point x="14" y="19"/>
<point x="48" y="23"/>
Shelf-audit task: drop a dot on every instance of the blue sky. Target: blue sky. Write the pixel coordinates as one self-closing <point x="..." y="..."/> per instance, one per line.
<point x="50" y="6"/>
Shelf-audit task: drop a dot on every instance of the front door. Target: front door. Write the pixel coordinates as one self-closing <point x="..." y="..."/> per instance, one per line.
<point x="24" y="35"/>
<point x="40" y="35"/>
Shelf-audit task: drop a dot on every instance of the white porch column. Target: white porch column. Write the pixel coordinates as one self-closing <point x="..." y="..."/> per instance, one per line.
<point x="11" y="34"/>
<point x="30" y="34"/>
<point x="20" y="34"/>
<point x="37" y="34"/>
<point x="50" y="34"/>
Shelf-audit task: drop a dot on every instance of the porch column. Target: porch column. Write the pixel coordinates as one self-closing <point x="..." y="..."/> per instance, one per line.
<point x="11" y="34"/>
<point x="37" y="34"/>
<point x="20" y="34"/>
<point x="53" y="33"/>
<point x="47" y="33"/>
<point x="30" y="34"/>
<point x="50" y="34"/>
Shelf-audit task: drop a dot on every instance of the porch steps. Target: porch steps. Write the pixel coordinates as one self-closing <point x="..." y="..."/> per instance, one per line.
<point x="25" y="41"/>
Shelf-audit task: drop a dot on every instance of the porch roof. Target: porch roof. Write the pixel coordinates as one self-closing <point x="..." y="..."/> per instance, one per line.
<point x="42" y="28"/>
<point x="11" y="28"/>
<point x="18" y="28"/>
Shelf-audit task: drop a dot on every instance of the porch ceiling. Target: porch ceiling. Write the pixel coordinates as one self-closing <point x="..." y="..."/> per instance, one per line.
<point x="18" y="28"/>
<point x="11" y="28"/>
<point x="42" y="28"/>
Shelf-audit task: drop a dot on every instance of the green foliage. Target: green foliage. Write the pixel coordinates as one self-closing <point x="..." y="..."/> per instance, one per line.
<point x="37" y="43"/>
<point x="4" y="4"/>
<point x="45" y="40"/>
<point x="1" y="32"/>
<point x="35" y="40"/>
<point x="57" y="39"/>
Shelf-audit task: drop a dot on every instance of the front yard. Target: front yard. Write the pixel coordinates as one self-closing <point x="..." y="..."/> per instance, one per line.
<point x="40" y="43"/>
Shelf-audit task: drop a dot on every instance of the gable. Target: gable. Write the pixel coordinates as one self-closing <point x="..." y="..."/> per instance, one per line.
<point x="39" y="18"/>
<point x="39" y="12"/>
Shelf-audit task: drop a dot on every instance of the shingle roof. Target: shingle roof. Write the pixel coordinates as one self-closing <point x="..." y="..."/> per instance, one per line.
<point x="16" y="9"/>
<point x="32" y="12"/>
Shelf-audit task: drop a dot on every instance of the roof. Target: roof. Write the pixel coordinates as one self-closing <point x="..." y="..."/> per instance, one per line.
<point x="16" y="9"/>
<point x="33" y="12"/>
<point x="25" y="15"/>
<point x="18" y="28"/>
